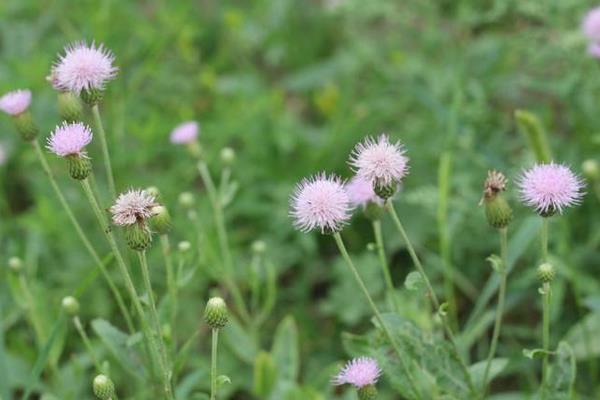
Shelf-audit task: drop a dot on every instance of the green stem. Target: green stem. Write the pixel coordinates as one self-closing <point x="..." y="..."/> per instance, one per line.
<point x="105" y="153"/>
<point x="213" y="365"/>
<point x="164" y="360"/>
<point x="149" y="337"/>
<point x="545" y="334"/>
<point x="213" y="196"/>
<point x="383" y="261"/>
<point x="171" y="281"/>
<point x="544" y="239"/>
<point x="83" y="237"/>
<point x="432" y="295"/>
<point x="378" y="317"/>
<point x="499" y="308"/>
<point x="86" y="342"/>
<point x="32" y="311"/>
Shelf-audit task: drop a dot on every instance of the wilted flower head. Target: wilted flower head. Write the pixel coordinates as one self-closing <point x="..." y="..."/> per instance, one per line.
<point x="549" y="188"/>
<point x="83" y="67"/>
<point x="494" y="184"/>
<point x="360" y="192"/>
<point x="15" y="102"/>
<point x="379" y="161"/>
<point x="69" y="139"/>
<point x="359" y="372"/>
<point x="133" y="206"/>
<point x="185" y="133"/>
<point x="320" y="202"/>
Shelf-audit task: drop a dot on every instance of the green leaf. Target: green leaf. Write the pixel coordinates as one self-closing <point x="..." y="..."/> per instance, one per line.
<point x="583" y="339"/>
<point x="531" y="126"/>
<point x="239" y="341"/>
<point x="535" y="353"/>
<point x="286" y="356"/>
<point x="223" y="380"/>
<point x="414" y="281"/>
<point x="496" y="262"/>
<point x="477" y="370"/>
<point x="562" y="374"/>
<point x="265" y="374"/>
<point x="118" y="344"/>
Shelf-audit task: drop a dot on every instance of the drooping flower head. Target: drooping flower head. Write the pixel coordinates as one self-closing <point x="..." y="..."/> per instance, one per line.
<point x="133" y="206"/>
<point x="379" y="161"/>
<point x="550" y="188"/>
<point x="361" y="193"/>
<point x="322" y="202"/>
<point x="359" y="372"/>
<point x="185" y="133"/>
<point x="69" y="139"/>
<point x="83" y="67"/>
<point x="15" y="102"/>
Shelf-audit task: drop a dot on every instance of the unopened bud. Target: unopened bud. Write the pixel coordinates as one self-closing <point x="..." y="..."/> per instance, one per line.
<point x="227" y="156"/>
<point x="80" y="166"/>
<point x="385" y="191"/>
<point x="92" y="97"/>
<point x="184" y="246"/>
<point x="104" y="388"/>
<point x="368" y="392"/>
<point x="70" y="305"/>
<point x="497" y="210"/>
<point x="25" y="126"/>
<point x="186" y="199"/>
<point x="69" y="106"/>
<point x="259" y="247"/>
<point x="138" y="236"/>
<point x="546" y="273"/>
<point x="591" y="169"/>
<point x="160" y="222"/>
<point x="216" y="314"/>
<point x="15" y="264"/>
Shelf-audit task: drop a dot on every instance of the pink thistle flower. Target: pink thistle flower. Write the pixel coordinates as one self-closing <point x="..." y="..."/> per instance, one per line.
<point x="359" y="372"/>
<point x="360" y="192"/>
<point x="591" y="25"/>
<point x="69" y="139"/>
<point x="185" y="133"/>
<point x="83" y="67"/>
<point x="320" y="202"/>
<point x="550" y="188"/>
<point x="15" y="102"/>
<point x="133" y="206"/>
<point x="379" y="161"/>
<point x="593" y="50"/>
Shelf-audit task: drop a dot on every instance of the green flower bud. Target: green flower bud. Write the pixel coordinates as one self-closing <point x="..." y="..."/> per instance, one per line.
<point x="70" y="305"/>
<point x="138" y="236"/>
<point x="104" y="388"/>
<point x="216" y="314"/>
<point x="227" y="156"/>
<point x="160" y="222"/>
<point x="385" y="191"/>
<point x="79" y="166"/>
<point x="92" y="97"/>
<point x="69" y="107"/>
<point x="259" y="247"/>
<point x="368" y="392"/>
<point x="186" y="199"/>
<point x="591" y="169"/>
<point x="546" y="273"/>
<point x="153" y="191"/>
<point x="184" y="246"/>
<point x="15" y="264"/>
<point x="25" y="126"/>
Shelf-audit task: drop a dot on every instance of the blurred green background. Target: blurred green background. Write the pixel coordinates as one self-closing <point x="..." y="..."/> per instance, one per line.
<point x="292" y="85"/>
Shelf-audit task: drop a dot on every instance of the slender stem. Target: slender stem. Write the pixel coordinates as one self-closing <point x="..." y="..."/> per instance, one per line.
<point x="383" y="261"/>
<point x="171" y="281"/>
<point x="149" y="337"/>
<point x="499" y="307"/>
<point x="386" y="331"/>
<point x="213" y="365"/>
<point x="432" y="295"/>
<point x="83" y="237"/>
<point x="86" y="342"/>
<point x="545" y="333"/>
<point x="31" y="308"/>
<point x="223" y="240"/>
<point x="544" y="239"/>
<point x="164" y="360"/>
<point x="105" y="153"/>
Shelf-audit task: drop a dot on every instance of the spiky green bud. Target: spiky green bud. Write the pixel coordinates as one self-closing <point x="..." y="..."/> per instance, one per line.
<point x="79" y="167"/>
<point x="15" y="264"/>
<point x="70" y="305"/>
<point x="26" y="126"/>
<point x="546" y="273"/>
<point x="368" y="392"/>
<point x="92" y="97"/>
<point x="69" y="107"/>
<point x="104" y="388"/>
<point x="227" y="156"/>
<point x="138" y="236"/>
<point x="160" y="222"/>
<point x="216" y="314"/>
<point x="385" y="191"/>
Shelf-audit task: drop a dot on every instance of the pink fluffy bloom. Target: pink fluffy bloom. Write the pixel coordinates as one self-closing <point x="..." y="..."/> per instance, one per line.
<point x="379" y="161"/>
<point x="550" y="188"/>
<point x="15" y="102"/>
<point x="591" y="25"/>
<point x="83" y="67"/>
<point x="69" y="139"/>
<point x="360" y="192"/>
<point x="321" y="202"/>
<point x="133" y="206"/>
<point x="359" y="372"/>
<point x="185" y="133"/>
<point x="593" y="50"/>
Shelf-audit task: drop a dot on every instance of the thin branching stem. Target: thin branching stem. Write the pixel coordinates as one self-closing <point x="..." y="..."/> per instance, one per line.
<point x="105" y="153"/>
<point x="87" y="343"/>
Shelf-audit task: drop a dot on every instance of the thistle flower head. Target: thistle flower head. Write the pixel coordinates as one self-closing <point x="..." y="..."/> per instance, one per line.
<point x="83" y="67"/>
<point x="495" y="183"/>
<point x="379" y="161"/>
<point x="591" y="25"/>
<point x="360" y="192"/>
<point x="69" y="139"/>
<point x="133" y="206"/>
<point x="185" y="133"/>
<point x="320" y="202"/>
<point x="15" y="102"/>
<point x="550" y="188"/>
<point x="359" y="372"/>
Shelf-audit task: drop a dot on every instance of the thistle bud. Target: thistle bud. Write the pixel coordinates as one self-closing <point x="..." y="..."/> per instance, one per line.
<point x="153" y="191"/>
<point x="259" y="247"/>
<point x="497" y="209"/>
<point x="186" y="199"/>
<point x="104" y="388"/>
<point x="25" y="126"/>
<point x="80" y="166"/>
<point x="215" y="314"/>
<point x="15" y="264"/>
<point x="368" y="392"/>
<point x="546" y="273"/>
<point x="591" y="169"/>
<point x="92" y="96"/>
<point x="160" y="222"/>
<point x="227" y="156"/>
<point x="184" y="246"/>
<point x="384" y="191"/>
<point x="138" y="236"/>
<point x="373" y="211"/>
<point x="70" y="305"/>
<point x="69" y="107"/>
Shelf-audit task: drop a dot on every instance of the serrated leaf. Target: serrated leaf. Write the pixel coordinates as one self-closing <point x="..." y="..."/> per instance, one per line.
<point x="414" y="281"/>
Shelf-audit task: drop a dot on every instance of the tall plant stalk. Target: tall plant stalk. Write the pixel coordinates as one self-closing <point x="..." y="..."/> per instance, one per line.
<point x="383" y="262"/>
<point x="83" y="237"/>
<point x="545" y="307"/>
<point x="86" y="342"/>
<point x="213" y="364"/>
<point x="171" y="279"/>
<point x="105" y="153"/>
